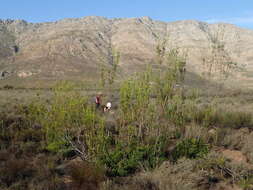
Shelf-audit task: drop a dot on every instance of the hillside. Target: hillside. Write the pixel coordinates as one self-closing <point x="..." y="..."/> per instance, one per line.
<point x="165" y="129"/>
<point x="76" y="48"/>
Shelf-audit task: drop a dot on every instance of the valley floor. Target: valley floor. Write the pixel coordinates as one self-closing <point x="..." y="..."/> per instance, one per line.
<point x="55" y="139"/>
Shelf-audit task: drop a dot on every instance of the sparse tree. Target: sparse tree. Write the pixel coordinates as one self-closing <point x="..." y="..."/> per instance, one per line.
<point x="108" y="73"/>
<point x="218" y="64"/>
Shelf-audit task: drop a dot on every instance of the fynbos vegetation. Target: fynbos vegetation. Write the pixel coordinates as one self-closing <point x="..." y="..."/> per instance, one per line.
<point x="159" y="128"/>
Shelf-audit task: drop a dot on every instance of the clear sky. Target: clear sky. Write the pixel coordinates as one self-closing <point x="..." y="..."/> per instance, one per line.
<point x="239" y="12"/>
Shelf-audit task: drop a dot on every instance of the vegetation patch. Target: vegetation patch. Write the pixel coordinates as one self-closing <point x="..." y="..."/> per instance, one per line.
<point x="190" y="148"/>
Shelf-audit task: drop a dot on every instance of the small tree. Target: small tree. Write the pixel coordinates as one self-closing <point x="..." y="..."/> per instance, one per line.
<point x="108" y="73"/>
<point x="135" y="101"/>
<point x="69" y="122"/>
<point x="171" y="74"/>
<point x="218" y="64"/>
<point x="160" y="51"/>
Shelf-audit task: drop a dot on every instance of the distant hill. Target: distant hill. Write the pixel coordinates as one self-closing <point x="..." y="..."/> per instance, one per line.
<point x="76" y="48"/>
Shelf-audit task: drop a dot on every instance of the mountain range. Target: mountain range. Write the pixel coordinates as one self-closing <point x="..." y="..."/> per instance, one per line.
<point x="77" y="48"/>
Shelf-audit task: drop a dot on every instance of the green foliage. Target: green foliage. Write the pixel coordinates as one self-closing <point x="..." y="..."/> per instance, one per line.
<point x="58" y="146"/>
<point x="212" y="162"/>
<point x="190" y="148"/>
<point x="170" y="77"/>
<point x="136" y="107"/>
<point x="127" y="159"/>
<point x="206" y="116"/>
<point x="247" y="182"/>
<point x="135" y="97"/>
<point x="67" y="115"/>
<point x="236" y="119"/>
<point x="176" y="111"/>
<point x="108" y="74"/>
<point x="212" y="116"/>
<point x="160" y="51"/>
<point x="176" y="64"/>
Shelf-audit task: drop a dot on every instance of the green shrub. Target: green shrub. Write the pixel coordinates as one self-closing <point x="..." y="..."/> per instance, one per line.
<point x="125" y="160"/>
<point x="246" y="183"/>
<point x="135" y="97"/>
<point x="212" y="116"/>
<point x="206" y="116"/>
<point x="176" y="111"/>
<point x="66" y="117"/>
<point x="190" y="148"/>
<point x="236" y="119"/>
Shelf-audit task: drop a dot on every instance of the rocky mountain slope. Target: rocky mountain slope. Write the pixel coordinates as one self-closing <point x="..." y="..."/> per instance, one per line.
<point x="76" y="48"/>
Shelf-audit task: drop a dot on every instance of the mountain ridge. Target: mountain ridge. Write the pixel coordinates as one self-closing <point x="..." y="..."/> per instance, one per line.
<point x="80" y="46"/>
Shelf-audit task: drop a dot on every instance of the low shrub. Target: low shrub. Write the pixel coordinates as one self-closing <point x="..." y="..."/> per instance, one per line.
<point x="86" y="175"/>
<point x="221" y="168"/>
<point x="190" y="148"/>
<point x="125" y="160"/>
<point x="236" y="119"/>
<point x="207" y="116"/>
<point x="175" y="111"/>
<point x="14" y="170"/>
<point x="246" y="183"/>
<point x="211" y="116"/>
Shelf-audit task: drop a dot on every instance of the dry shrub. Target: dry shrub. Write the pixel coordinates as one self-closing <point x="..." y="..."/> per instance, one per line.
<point x="35" y="173"/>
<point x="167" y="176"/>
<point x="177" y="176"/>
<point x="139" y="182"/>
<point x="248" y="147"/>
<point x="233" y="139"/>
<point x="198" y="132"/>
<point x="85" y="175"/>
<point x="31" y="135"/>
<point x="236" y="119"/>
<point x="14" y="170"/>
<point x="45" y="177"/>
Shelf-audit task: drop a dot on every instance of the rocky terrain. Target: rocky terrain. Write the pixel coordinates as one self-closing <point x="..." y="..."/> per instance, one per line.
<point x="77" y="48"/>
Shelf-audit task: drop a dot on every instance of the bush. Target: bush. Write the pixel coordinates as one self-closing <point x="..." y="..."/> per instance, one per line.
<point x="247" y="182"/>
<point x="176" y="111"/>
<point x="236" y="119"/>
<point x="207" y="116"/>
<point x="212" y="116"/>
<point x="14" y="170"/>
<point x="67" y="117"/>
<point x="219" y="167"/>
<point x="190" y="148"/>
<point x="85" y="175"/>
<point x="125" y="160"/>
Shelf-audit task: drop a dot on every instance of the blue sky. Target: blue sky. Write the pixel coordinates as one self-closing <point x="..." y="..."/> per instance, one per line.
<point x="239" y="12"/>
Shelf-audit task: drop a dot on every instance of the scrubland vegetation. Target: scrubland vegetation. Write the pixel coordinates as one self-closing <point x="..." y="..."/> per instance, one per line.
<point x="159" y="134"/>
